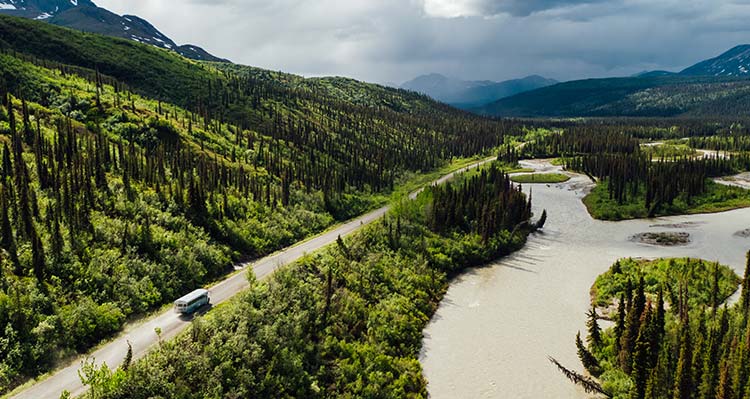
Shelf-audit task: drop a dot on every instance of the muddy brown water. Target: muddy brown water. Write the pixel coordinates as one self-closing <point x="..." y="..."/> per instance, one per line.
<point x="497" y="324"/>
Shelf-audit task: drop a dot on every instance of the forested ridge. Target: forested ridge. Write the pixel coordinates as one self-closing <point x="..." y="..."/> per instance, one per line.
<point x="661" y="96"/>
<point x="343" y="322"/>
<point x="131" y="175"/>
<point x="674" y="334"/>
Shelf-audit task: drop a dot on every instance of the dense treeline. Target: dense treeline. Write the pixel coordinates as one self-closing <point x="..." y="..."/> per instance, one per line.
<point x="722" y="143"/>
<point x="624" y="136"/>
<point x="660" y="180"/>
<point x="344" y="322"/>
<point x="629" y="176"/>
<point x="674" y="335"/>
<point x="580" y="139"/>
<point x="485" y="203"/>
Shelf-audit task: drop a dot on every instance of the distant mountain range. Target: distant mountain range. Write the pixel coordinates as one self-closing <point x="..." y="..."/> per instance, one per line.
<point x="469" y="94"/>
<point x="735" y="62"/>
<point x="84" y="15"/>
<point x="718" y="86"/>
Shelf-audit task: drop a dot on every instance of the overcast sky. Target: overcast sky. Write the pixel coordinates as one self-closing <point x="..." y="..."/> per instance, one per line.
<point x="396" y="40"/>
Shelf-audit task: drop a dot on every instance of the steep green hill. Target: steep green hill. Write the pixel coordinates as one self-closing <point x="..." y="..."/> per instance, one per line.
<point x="130" y="175"/>
<point x="634" y="96"/>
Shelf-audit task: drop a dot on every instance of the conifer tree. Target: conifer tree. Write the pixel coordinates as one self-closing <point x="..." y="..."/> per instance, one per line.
<point x="595" y="333"/>
<point x="714" y="287"/>
<point x="660" y="313"/>
<point x="7" y="240"/>
<point x="658" y="382"/>
<point x="642" y="354"/>
<point x="57" y="239"/>
<point x="701" y="344"/>
<point x="620" y="322"/>
<point x="724" y="389"/>
<point x="7" y="165"/>
<point x="542" y="220"/>
<point x="632" y="326"/>
<point x="128" y="358"/>
<point x="683" y="381"/>
<point x="587" y="358"/>
<point x="343" y="248"/>
<point x="38" y="257"/>
<point x="745" y="296"/>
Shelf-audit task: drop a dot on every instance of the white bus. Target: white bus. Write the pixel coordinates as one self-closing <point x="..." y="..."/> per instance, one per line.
<point x="191" y="302"/>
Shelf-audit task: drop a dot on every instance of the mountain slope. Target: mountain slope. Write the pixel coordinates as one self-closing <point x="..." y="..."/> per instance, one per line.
<point x="40" y="9"/>
<point x="716" y="87"/>
<point x="642" y="96"/>
<point x="735" y="62"/>
<point x="84" y="15"/>
<point x="99" y="20"/>
<point x="469" y="94"/>
<point x="196" y="53"/>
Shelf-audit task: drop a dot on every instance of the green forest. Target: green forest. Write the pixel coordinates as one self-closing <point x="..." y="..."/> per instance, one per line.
<point x="644" y="181"/>
<point x="344" y="322"/>
<point x="675" y="334"/>
<point x="130" y="175"/>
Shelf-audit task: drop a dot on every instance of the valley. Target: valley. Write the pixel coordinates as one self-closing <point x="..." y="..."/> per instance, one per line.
<point x="177" y="225"/>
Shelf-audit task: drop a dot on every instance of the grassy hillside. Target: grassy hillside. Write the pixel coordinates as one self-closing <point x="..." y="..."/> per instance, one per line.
<point x="146" y="69"/>
<point x="116" y="200"/>
<point x="636" y="96"/>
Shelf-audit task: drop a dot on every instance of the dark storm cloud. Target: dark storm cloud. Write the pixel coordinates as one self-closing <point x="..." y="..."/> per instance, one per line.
<point x="527" y="7"/>
<point x="395" y="40"/>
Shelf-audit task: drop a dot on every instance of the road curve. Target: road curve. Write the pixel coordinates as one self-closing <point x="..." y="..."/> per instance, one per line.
<point x="142" y="336"/>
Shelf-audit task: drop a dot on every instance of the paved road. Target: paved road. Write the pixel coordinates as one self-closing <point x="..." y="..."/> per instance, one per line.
<point x="142" y="336"/>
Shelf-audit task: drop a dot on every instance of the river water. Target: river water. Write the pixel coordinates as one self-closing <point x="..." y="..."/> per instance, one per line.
<point x="496" y="326"/>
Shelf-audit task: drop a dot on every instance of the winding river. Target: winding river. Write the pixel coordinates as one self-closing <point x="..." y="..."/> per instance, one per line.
<point x="494" y="329"/>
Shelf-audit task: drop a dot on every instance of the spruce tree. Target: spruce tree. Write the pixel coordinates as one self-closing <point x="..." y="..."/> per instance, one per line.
<point x="745" y="296"/>
<point x="724" y="390"/>
<point x="683" y="380"/>
<point x="595" y="333"/>
<point x="715" y="287"/>
<point x="7" y="240"/>
<point x="128" y="358"/>
<point x="542" y="220"/>
<point x="658" y="380"/>
<point x="701" y="346"/>
<point x="38" y="257"/>
<point x="7" y="165"/>
<point x="587" y="358"/>
<point x="58" y="242"/>
<point x="630" y="332"/>
<point x="620" y="322"/>
<point x="660" y="313"/>
<point x="642" y="355"/>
